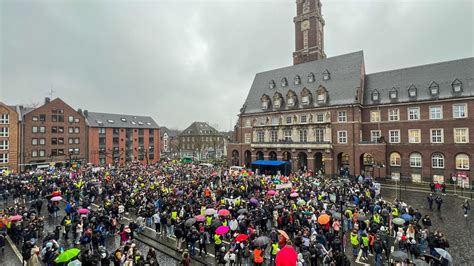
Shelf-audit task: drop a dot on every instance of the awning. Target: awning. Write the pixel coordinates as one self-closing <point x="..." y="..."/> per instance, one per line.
<point x="269" y="162"/>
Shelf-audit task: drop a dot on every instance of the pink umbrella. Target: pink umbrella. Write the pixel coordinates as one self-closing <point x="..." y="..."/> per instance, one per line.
<point x="222" y="230"/>
<point x="57" y="198"/>
<point x="200" y="218"/>
<point x="223" y="212"/>
<point x="15" y="218"/>
<point x="287" y="256"/>
<point x="83" y="211"/>
<point x="271" y="192"/>
<point x="294" y="195"/>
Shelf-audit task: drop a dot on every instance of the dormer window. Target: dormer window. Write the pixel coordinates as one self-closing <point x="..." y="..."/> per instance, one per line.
<point x="434" y="88"/>
<point x="265" y="105"/>
<point x="290" y="102"/>
<point x="305" y="97"/>
<point x="375" y="96"/>
<point x="297" y="80"/>
<point x="265" y="102"/>
<point x="321" y="95"/>
<point x="277" y="101"/>
<point x="110" y="121"/>
<point x="291" y="99"/>
<point x="123" y="119"/>
<point x="310" y="78"/>
<point x="271" y="85"/>
<point x="457" y="86"/>
<point x="326" y="75"/>
<point x="393" y="94"/>
<point x="284" y="82"/>
<point x="412" y="91"/>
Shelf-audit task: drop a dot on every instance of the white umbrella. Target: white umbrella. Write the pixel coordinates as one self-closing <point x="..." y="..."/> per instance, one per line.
<point x="443" y="253"/>
<point x="57" y="198"/>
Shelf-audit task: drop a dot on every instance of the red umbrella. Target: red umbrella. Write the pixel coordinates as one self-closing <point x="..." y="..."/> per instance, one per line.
<point x="15" y="218"/>
<point x="56" y="193"/>
<point x="241" y="237"/>
<point x="223" y="212"/>
<point x="271" y="192"/>
<point x="287" y="256"/>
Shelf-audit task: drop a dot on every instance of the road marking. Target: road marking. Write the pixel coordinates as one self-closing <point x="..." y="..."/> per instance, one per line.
<point x="15" y="249"/>
<point x="358" y="259"/>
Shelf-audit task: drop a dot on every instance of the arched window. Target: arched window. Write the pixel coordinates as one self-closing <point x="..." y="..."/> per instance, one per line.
<point x="395" y="159"/>
<point x="412" y="93"/>
<point x="284" y="82"/>
<point x="437" y="160"/>
<point x="311" y="78"/>
<point x="297" y="80"/>
<point x="415" y="160"/>
<point x="462" y="161"/>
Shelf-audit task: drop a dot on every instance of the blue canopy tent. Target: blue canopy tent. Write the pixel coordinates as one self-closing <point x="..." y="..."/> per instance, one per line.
<point x="271" y="167"/>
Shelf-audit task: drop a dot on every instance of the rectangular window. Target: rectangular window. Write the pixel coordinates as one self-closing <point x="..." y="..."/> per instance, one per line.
<point x="42" y="118"/>
<point x="436" y="112"/>
<point x="42" y="141"/>
<point x="54" y="152"/>
<point x="76" y="151"/>
<point x="393" y="115"/>
<point x="375" y="135"/>
<point x="70" y="141"/>
<point x="287" y="134"/>
<point x="394" y="136"/>
<point x="414" y="113"/>
<point x="461" y="135"/>
<point x="305" y="100"/>
<point x="319" y="117"/>
<point x="54" y="130"/>
<point x="4" y="144"/>
<point x="341" y="116"/>
<point x="319" y="134"/>
<point x="374" y="116"/>
<point x="414" y="136"/>
<point x="60" y="129"/>
<point x="42" y="153"/>
<point x="71" y="119"/>
<point x="76" y="120"/>
<point x="71" y="130"/>
<point x="76" y="141"/>
<point x="342" y="136"/>
<point x="4" y="119"/>
<point x="303" y="119"/>
<point x="415" y="160"/>
<point x="248" y="137"/>
<point x="274" y="135"/>
<point x="34" y="129"/>
<point x="437" y="136"/>
<point x="288" y="120"/>
<point x="260" y="136"/>
<point x="54" y="141"/>
<point x="459" y="110"/>
<point x="102" y="131"/>
<point x="34" y="153"/>
<point x="3" y="157"/>
<point x="60" y="141"/>
<point x="34" y="118"/>
<point x="4" y="131"/>
<point x="34" y="142"/>
<point x="42" y="129"/>
<point x="303" y="135"/>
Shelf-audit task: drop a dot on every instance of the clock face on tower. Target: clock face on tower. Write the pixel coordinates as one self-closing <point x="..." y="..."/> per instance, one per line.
<point x="305" y="25"/>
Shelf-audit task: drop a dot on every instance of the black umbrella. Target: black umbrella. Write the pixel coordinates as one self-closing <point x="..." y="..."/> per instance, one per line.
<point x="189" y="222"/>
<point x="242" y="211"/>
<point x="261" y="241"/>
<point x="399" y="255"/>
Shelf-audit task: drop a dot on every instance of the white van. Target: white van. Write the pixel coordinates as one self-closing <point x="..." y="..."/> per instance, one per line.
<point x="235" y="170"/>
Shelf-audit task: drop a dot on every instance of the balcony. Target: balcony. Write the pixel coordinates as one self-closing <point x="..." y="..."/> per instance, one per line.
<point x="292" y="145"/>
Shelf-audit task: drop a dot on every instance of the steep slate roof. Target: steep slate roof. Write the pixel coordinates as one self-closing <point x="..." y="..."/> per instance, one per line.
<point x="421" y="77"/>
<point x="345" y="76"/>
<point x="171" y="132"/>
<point x="93" y="120"/>
<point x="199" y="128"/>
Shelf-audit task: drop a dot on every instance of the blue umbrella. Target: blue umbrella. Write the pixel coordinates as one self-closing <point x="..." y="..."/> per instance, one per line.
<point x="407" y="217"/>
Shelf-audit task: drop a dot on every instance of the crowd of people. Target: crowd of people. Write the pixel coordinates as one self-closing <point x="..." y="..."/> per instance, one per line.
<point x="246" y="218"/>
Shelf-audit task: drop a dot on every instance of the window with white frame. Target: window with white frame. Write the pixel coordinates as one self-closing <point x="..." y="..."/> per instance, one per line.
<point x="321" y="97"/>
<point x="395" y="159"/>
<point x="274" y="135"/>
<point x="264" y="105"/>
<point x="415" y="160"/>
<point x="42" y="141"/>
<point x="4" y="131"/>
<point x="76" y="130"/>
<point x="4" y="119"/>
<point x="305" y="100"/>
<point x="34" y="142"/>
<point x="462" y="161"/>
<point x="394" y="136"/>
<point x="34" y="153"/>
<point x="289" y="120"/>
<point x="437" y="135"/>
<point x="3" y="157"/>
<point x="42" y="129"/>
<point x="248" y="137"/>
<point x="342" y="136"/>
<point x="393" y="115"/>
<point x="459" y="110"/>
<point x="290" y="102"/>
<point x="76" y="151"/>
<point x="303" y="119"/>
<point x="42" y="153"/>
<point x="414" y="136"/>
<point x="461" y="135"/>
<point x="413" y="113"/>
<point x="260" y="136"/>
<point x="437" y="160"/>
<point x="34" y="129"/>
<point x="277" y="103"/>
<point x="4" y="144"/>
<point x="320" y="117"/>
<point x="375" y="116"/>
<point x="375" y="135"/>
<point x="436" y="112"/>
<point x="341" y="116"/>
<point x="319" y="134"/>
<point x="287" y="134"/>
<point x="71" y="119"/>
<point x="248" y="122"/>
<point x="303" y="135"/>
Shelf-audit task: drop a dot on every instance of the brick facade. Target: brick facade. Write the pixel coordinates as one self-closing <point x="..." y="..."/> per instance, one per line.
<point x="9" y="136"/>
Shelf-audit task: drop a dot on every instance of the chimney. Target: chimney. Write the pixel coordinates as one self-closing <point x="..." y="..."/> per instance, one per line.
<point x="79" y="111"/>
<point x="46" y="100"/>
<point x="86" y="113"/>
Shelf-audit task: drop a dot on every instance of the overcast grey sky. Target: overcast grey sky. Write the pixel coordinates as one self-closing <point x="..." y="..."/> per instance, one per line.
<point x="181" y="61"/>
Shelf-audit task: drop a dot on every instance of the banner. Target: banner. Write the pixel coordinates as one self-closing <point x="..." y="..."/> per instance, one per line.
<point x="283" y="186"/>
<point x="377" y="188"/>
<point x="231" y="201"/>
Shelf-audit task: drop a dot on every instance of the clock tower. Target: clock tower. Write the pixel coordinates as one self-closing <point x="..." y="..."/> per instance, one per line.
<point x="309" y="32"/>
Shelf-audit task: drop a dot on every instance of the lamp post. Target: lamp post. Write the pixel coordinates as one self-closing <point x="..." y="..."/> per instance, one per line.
<point x="341" y="203"/>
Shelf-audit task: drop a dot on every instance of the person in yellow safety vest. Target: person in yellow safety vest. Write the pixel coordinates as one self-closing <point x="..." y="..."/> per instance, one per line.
<point x="273" y="251"/>
<point x="365" y="246"/>
<point x="174" y="215"/>
<point x="377" y="218"/>
<point x="217" y="243"/>
<point x="395" y="212"/>
<point x="355" y="243"/>
<point x="348" y="214"/>
<point x="224" y="223"/>
<point x="208" y="220"/>
<point x="320" y="196"/>
<point x="222" y="201"/>
<point x="237" y="202"/>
